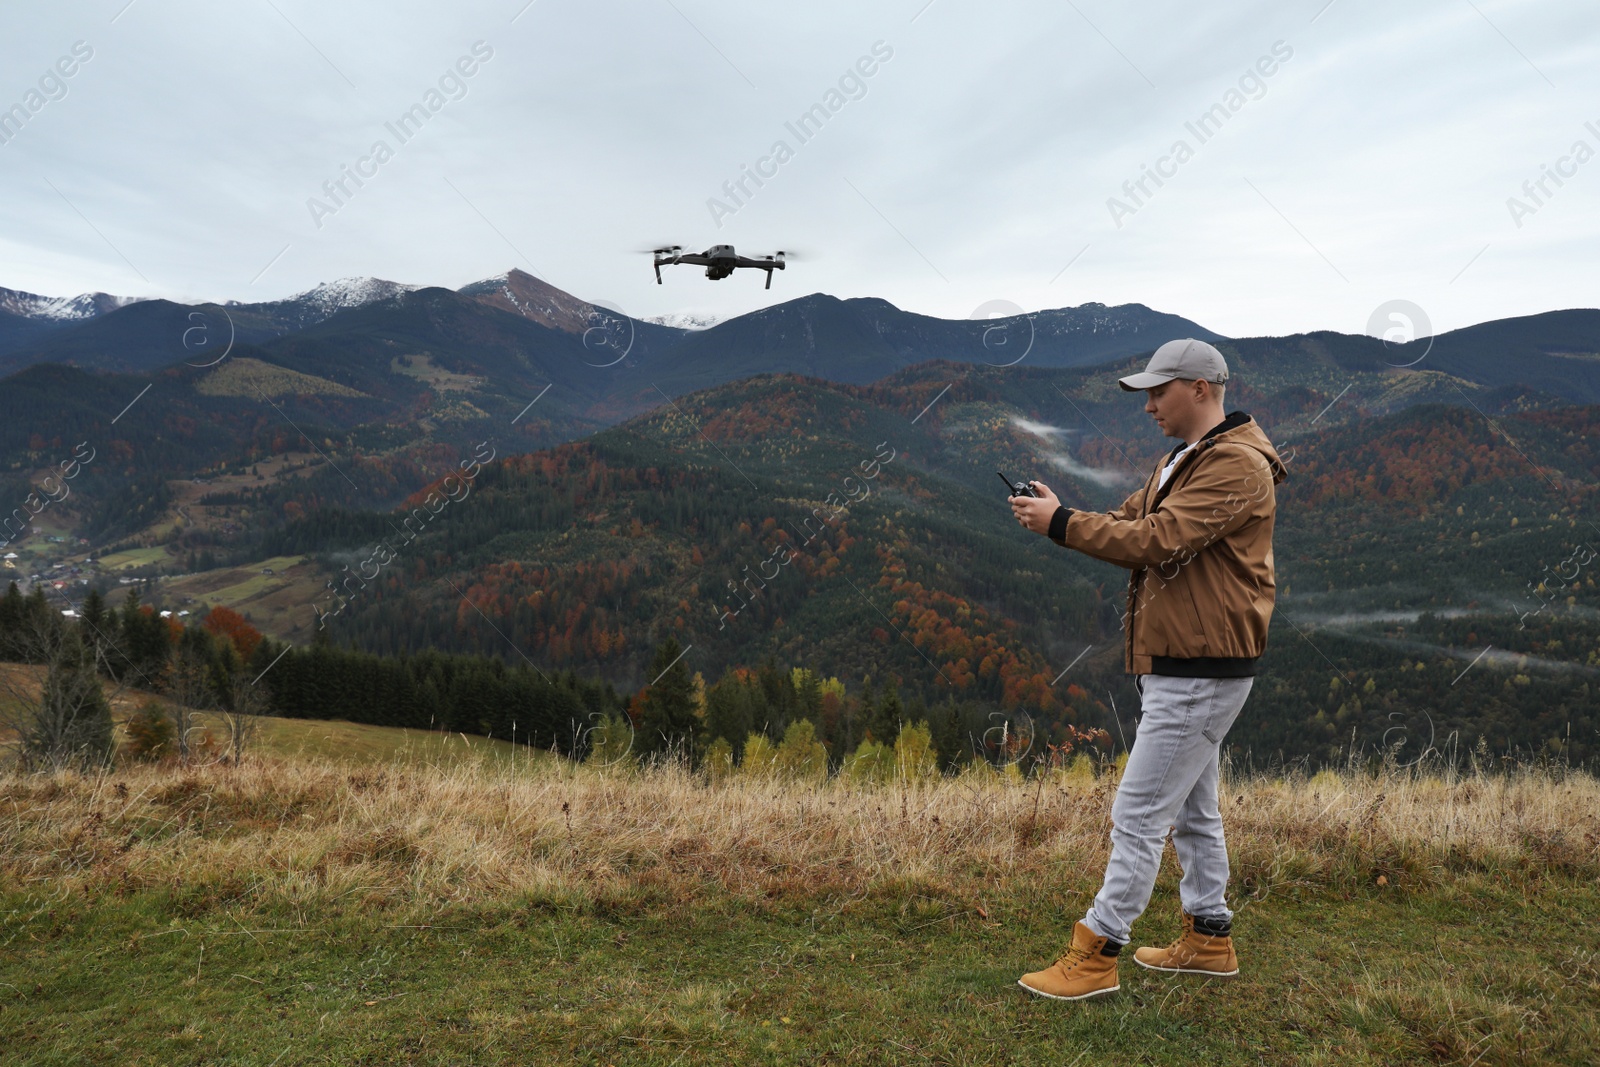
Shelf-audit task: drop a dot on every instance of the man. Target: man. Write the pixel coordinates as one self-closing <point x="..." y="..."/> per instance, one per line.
<point x="1197" y="540"/>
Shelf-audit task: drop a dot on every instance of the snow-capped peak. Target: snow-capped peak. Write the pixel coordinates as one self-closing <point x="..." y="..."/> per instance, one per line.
<point x="686" y="320"/>
<point x="329" y="297"/>
<point x="61" y="308"/>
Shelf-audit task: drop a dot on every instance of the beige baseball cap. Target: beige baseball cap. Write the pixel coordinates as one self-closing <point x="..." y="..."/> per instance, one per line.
<point x="1186" y="358"/>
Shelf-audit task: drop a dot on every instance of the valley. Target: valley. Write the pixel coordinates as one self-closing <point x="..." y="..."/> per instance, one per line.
<point x="629" y="503"/>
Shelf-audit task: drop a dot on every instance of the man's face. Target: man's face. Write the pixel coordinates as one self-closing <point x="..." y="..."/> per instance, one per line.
<point x="1172" y="405"/>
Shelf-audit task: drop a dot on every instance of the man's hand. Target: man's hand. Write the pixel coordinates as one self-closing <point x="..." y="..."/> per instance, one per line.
<point x="1035" y="512"/>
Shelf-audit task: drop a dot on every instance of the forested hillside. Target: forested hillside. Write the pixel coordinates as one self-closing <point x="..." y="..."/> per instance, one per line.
<point x="371" y="482"/>
<point x="821" y="526"/>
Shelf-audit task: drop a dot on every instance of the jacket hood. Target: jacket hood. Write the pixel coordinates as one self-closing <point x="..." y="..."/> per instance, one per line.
<point x="1240" y="428"/>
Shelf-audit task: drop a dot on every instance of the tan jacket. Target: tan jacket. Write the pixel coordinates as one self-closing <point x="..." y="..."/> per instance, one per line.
<point x="1201" y="590"/>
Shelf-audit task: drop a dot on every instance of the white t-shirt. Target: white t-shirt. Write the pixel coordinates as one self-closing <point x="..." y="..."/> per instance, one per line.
<point x="1173" y="463"/>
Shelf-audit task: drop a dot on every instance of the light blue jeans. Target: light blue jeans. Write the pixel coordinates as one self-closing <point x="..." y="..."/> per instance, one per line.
<point x="1170" y="781"/>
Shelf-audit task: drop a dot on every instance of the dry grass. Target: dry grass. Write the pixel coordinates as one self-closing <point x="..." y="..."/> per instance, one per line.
<point x="311" y="832"/>
<point x="534" y="911"/>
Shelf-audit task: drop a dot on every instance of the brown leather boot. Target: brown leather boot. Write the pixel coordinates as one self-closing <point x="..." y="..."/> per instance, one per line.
<point x="1192" y="953"/>
<point x="1085" y="969"/>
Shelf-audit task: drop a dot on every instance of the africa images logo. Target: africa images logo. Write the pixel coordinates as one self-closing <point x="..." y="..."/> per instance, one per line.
<point x="1252" y="85"/>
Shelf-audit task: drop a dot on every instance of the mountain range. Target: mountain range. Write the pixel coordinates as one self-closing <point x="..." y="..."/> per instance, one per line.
<point x="645" y="472"/>
<point x="492" y="346"/>
<point x="442" y="364"/>
<point x="855" y="340"/>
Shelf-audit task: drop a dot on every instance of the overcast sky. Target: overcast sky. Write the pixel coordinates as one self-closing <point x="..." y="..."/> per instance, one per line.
<point x="975" y="163"/>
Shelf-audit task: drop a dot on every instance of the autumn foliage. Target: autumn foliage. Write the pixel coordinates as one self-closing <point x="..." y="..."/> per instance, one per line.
<point x="225" y="622"/>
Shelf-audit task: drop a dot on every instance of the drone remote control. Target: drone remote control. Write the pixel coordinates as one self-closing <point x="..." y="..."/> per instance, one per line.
<point x="1017" y="488"/>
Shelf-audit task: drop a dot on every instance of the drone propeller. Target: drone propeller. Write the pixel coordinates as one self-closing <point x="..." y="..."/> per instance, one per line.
<point x="660" y="250"/>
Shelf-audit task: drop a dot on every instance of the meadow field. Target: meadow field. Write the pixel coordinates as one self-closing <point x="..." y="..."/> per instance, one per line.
<point x="393" y="906"/>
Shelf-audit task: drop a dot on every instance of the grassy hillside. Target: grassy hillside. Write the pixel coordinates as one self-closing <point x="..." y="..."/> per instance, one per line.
<point x="252" y="377"/>
<point x="358" y="743"/>
<point x="276" y="602"/>
<point x="302" y="911"/>
<point x="314" y="739"/>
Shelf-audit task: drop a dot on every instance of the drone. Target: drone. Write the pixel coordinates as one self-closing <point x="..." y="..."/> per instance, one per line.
<point x="718" y="260"/>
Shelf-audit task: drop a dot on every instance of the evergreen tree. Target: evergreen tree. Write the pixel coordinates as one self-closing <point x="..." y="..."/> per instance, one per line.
<point x="36" y="609"/>
<point x="129" y="618"/>
<point x="97" y="626"/>
<point x="12" y="611"/>
<point x="728" y="713"/>
<point x="561" y="715"/>
<point x="150" y="732"/>
<point x="472" y="701"/>
<point x="777" y="691"/>
<point x="29" y="627"/>
<point x="40" y="628"/>
<point x="143" y="646"/>
<point x="858" y="714"/>
<point x="73" y="724"/>
<point x="885" y="721"/>
<point x="668" y="721"/>
<point x="222" y="671"/>
<point x="266" y="652"/>
<point x="191" y="684"/>
<point x="808" y="693"/>
<point x="945" y="721"/>
<point x="432" y="696"/>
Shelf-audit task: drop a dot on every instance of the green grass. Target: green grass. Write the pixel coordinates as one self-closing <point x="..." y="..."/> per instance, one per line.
<point x="135" y="557"/>
<point x="366" y="895"/>
<point x="251" y="377"/>
<point x="254" y="585"/>
<point x="1478" y="973"/>
<point x="422" y="368"/>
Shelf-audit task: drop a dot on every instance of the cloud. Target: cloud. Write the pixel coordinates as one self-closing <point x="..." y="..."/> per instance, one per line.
<point x="978" y="165"/>
<point x="1099" y="475"/>
<point x="1494" y="657"/>
<point x="1041" y="429"/>
<point x="1063" y="461"/>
